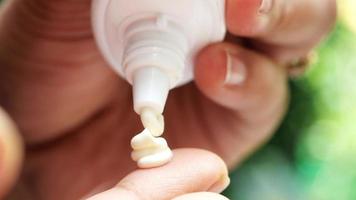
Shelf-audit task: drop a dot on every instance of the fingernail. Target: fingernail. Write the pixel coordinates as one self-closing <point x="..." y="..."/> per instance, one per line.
<point x="235" y="71"/>
<point x="266" y="6"/>
<point x="221" y="185"/>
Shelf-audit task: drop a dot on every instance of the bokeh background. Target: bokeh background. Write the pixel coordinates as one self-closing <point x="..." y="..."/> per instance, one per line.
<point x="313" y="154"/>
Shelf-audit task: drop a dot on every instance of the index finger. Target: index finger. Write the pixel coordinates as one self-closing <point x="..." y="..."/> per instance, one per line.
<point x="201" y="196"/>
<point x="286" y="23"/>
<point x="207" y="173"/>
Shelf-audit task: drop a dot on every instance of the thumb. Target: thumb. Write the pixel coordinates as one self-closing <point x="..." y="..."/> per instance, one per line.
<point x="191" y="170"/>
<point x="11" y="153"/>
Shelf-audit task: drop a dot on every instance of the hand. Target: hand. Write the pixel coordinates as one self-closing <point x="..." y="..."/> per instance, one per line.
<point x="207" y="173"/>
<point x="76" y="114"/>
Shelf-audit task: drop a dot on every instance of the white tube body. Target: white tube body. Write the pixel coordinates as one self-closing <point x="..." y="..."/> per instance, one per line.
<point x="152" y="43"/>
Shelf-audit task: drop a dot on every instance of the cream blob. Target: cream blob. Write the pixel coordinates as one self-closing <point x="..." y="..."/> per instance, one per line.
<point x="152" y="121"/>
<point x="149" y="151"/>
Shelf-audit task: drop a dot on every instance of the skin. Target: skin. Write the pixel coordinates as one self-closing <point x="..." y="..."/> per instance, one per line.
<point x="76" y="116"/>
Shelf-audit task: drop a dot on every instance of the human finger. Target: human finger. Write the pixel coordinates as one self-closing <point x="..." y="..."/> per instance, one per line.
<point x="207" y="173"/>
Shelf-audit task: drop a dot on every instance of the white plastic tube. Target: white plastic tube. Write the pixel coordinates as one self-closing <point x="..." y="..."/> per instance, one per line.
<point x="153" y="43"/>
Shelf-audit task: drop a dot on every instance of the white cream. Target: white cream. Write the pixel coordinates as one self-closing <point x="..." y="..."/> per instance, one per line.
<point x="150" y="150"/>
<point x="152" y="121"/>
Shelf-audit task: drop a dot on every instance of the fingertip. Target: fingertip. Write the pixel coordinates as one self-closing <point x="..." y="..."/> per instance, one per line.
<point x="208" y="166"/>
<point x="180" y="176"/>
<point x="208" y="161"/>
<point x="221" y="73"/>
<point x="201" y="196"/>
<point x="243" y="18"/>
<point x="210" y="70"/>
<point x="238" y="78"/>
<point x="115" y="193"/>
<point x="11" y="153"/>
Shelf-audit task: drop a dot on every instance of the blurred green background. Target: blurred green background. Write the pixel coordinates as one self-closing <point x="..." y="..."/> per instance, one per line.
<point x="313" y="154"/>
